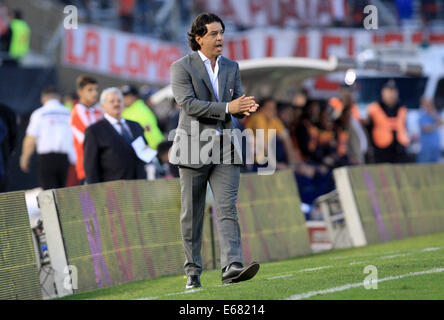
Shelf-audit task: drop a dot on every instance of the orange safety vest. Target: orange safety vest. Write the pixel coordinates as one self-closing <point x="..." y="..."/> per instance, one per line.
<point x="337" y="105"/>
<point x="384" y="126"/>
<point x="81" y="118"/>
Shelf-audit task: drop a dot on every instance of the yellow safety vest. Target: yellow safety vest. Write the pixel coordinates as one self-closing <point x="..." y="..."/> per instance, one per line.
<point x="21" y="35"/>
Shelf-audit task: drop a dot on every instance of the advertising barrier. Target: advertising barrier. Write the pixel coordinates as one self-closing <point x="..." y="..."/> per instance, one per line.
<point x="123" y="231"/>
<point x="389" y="202"/>
<point x="19" y="278"/>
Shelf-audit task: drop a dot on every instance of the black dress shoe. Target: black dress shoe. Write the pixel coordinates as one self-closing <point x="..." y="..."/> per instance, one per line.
<point x="236" y="272"/>
<point x="193" y="282"/>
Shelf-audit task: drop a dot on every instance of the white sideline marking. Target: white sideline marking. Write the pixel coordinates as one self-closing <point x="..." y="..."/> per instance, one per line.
<point x="149" y="298"/>
<point x="395" y="256"/>
<point x="429" y="249"/>
<point x="281" y="277"/>
<point x="183" y="292"/>
<point x="172" y="294"/>
<point x="359" y="284"/>
<point x="356" y="262"/>
<point x="314" y="269"/>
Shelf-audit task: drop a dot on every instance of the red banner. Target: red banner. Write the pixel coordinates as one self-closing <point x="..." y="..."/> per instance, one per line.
<point x="119" y="54"/>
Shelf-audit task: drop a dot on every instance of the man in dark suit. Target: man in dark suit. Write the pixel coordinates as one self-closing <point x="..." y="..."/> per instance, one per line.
<point x="108" y="154"/>
<point x="208" y="89"/>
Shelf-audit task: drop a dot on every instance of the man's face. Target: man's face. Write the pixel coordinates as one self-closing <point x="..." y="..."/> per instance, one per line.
<point x="389" y="96"/>
<point x="128" y="100"/>
<point x="212" y="43"/>
<point x="113" y="105"/>
<point x="88" y="94"/>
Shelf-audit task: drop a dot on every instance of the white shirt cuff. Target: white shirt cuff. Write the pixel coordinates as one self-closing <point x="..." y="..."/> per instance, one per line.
<point x="226" y="108"/>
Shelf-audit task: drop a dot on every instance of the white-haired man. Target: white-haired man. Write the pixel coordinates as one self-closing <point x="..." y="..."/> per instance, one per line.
<point x="108" y="154"/>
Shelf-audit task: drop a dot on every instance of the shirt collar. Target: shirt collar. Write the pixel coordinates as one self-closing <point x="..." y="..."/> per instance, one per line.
<point x="94" y="107"/>
<point x="204" y="57"/>
<point x="52" y="103"/>
<point x="112" y="120"/>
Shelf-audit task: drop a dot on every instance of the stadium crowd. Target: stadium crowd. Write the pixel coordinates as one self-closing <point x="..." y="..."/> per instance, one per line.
<point x="149" y="16"/>
<point x="312" y="136"/>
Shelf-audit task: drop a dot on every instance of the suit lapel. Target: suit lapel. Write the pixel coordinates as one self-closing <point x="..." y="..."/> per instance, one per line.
<point x="117" y="135"/>
<point x="132" y="129"/>
<point x="222" y="79"/>
<point x="199" y="66"/>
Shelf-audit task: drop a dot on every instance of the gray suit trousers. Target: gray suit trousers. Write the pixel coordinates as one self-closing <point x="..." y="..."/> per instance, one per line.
<point x="224" y="183"/>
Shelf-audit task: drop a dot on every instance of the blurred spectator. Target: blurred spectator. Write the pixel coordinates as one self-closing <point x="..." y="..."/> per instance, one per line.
<point x="3" y="137"/>
<point x="298" y="104"/>
<point x="344" y="149"/>
<point x="429" y="123"/>
<point x="49" y="134"/>
<point x="357" y="11"/>
<point x="358" y="144"/>
<point x="266" y="119"/>
<point x="327" y="143"/>
<point x="345" y="95"/>
<point x="108" y="152"/>
<point x="69" y="100"/>
<point x="307" y="132"/>
<point x="164" y="169"/>
<point x="387" y="126"/>
<point x="405" y="10"/>
<point x="173" y="117"/>
<point x="143" y="16"/>
<point x="314" y="138"/>
<point x="429" y="10"/>
<point x="83" y="115"/>
<point x="7" y="143"/>
<point x="126" y="14"/>
<point x="4" y="25"/>
<point x="135" y="109"/>
<point x="16" y="38"/>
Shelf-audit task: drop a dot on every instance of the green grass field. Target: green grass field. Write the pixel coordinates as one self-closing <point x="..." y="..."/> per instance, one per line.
<point x="407" y="269"/>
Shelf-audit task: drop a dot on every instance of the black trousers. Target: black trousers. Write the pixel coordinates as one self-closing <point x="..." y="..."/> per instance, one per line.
<point x="53" y="170"/>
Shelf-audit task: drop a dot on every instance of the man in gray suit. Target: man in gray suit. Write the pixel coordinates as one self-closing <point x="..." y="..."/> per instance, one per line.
<point x="208" y="89"/>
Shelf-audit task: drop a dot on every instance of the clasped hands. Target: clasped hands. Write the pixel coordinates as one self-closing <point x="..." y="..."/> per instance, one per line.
<point x="243" y="104"/>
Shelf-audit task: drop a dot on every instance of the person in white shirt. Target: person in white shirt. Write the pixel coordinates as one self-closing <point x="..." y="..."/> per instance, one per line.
<point x="49" y="134"/>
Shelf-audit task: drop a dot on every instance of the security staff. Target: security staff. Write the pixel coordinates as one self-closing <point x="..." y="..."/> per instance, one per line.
<point x="387" y="126"/>
<point x="49" y="132"/>
<point x="19" y="34"/>
<point x="136" y="110"/>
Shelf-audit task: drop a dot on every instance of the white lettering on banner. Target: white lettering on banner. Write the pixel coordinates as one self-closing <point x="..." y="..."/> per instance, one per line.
<point x="119" y="54"/>
<point x="260" y="13"/>
<point x="317" y="44"/>
<point x="140" y="58"/>
<point x="260" y="43"/>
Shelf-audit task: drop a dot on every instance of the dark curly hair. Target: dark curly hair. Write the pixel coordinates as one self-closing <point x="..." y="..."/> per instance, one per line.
<point x="198" y="28"/>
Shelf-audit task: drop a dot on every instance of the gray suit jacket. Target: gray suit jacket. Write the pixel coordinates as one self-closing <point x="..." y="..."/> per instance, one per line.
<point x="193" y="92"/>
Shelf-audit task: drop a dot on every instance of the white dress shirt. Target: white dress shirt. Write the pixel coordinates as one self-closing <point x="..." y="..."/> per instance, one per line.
<point x="50" y="126"/>
<point x="115" y="123"/>
<point x="214" y="75"/>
